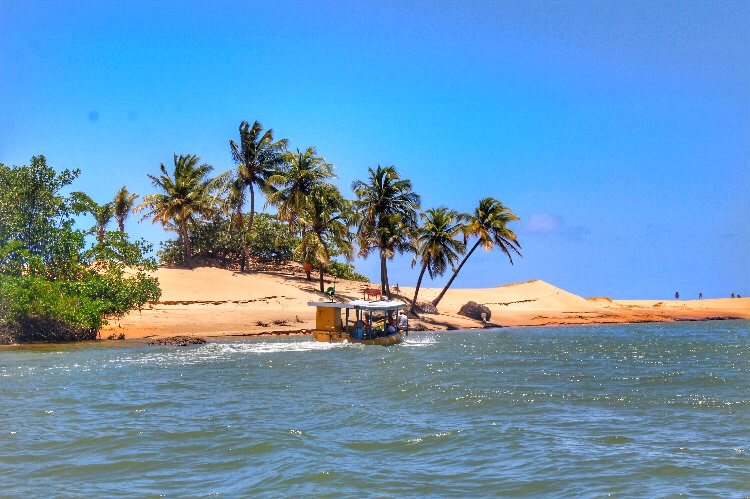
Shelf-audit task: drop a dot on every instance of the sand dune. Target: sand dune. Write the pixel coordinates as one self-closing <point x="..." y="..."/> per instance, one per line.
<point x="214" y="302"/>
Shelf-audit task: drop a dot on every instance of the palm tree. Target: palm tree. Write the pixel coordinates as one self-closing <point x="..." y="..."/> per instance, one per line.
<point x="295" y="180"/>
<point x="436" y="244"/>
<point x="257" y="156"/>
<point x="123" y="204"/>
<point x="326" y="217"/>
<point x="388" y="210"/>
<point x="187" y="197"/>
<point x="102" y="213"/>
<point x="489" y="223"/>
<point x="293" y="184"/>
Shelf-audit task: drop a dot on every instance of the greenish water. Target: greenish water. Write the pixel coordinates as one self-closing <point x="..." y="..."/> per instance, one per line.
<point x="646" y="410"/>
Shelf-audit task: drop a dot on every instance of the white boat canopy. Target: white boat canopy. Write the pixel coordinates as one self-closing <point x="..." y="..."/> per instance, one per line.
<point x="361" y="304"/>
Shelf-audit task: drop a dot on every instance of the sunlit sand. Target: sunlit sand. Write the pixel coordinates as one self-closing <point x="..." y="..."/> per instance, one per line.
<point x="213" y="302"/>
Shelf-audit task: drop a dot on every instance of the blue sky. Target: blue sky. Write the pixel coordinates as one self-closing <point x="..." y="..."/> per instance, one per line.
<point x="619" y="132"/>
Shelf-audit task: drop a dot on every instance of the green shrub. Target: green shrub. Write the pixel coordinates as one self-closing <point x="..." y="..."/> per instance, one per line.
<point x="345" y="271"/>
<point x="221" y="240"/>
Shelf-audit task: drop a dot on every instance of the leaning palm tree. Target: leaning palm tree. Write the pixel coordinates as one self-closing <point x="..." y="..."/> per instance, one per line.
<point x="257" y="157"/>
<point x="436" y="244"/>
<point x="326" y="217"/>
<point x="295" y="180"/>
<point x="187" y="197"/>
<point x="388" y="210"/>
<point x="489" y="223"/>
<point x="123" y="205"/>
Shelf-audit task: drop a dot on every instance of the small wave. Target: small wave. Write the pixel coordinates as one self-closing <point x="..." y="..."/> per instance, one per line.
<point x="420" y="341"/>
<point x="270" y="347"/>
<point x="218" y="351"/>
<point x="613" y="439"/>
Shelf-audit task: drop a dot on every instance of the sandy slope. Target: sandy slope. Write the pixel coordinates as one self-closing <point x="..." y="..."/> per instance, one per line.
<point x="214" y="302"/>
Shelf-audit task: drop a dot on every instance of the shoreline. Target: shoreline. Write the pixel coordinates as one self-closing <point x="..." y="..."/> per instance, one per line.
<point x="213" y="303"/>
<point x="216" y="303"/>
<point x="239" y="337"/>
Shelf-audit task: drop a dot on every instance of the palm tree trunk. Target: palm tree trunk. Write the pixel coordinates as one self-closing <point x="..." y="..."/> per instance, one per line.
<point x="252" y="208"/>
<point x="384" y="289"/>
<point x="239" y="224"/>
<point x="121" y="223"/>
<point x="185" y="243"/>
<point x="236" y="221"/>
<point x="455" y="273"/>
<point x="245" y="250"/>
<point x="416" y="291"/>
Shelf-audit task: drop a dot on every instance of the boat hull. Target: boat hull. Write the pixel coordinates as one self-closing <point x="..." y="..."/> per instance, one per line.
<point x="341" y="337"/>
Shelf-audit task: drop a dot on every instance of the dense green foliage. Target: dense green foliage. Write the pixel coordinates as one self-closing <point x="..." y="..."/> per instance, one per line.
<point x="345" y="271"/>
<point x="220" y="240"/>
<point x="51" y="287"/>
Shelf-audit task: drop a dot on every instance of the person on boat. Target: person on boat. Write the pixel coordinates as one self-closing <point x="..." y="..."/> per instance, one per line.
<point x="391" y="327"/>
<point x="359" y="330"/>
<point x="403" y="322"/>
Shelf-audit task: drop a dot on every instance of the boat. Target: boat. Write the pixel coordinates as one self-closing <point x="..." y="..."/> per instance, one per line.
<point x="365" y="322"/>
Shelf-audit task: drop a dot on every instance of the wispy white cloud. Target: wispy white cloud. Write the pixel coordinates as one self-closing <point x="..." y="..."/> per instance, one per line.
<point x="554" y="224"/>
<point x="544" y="223"/>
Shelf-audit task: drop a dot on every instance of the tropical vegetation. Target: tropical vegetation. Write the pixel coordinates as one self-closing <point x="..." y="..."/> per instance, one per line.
<point x="257" y="157"/>
<point x="122" y="206"/>
<point x="219" y="241"/>
<point x="52" y="286"/>
<point x="188" y="195"/>
<point x="388" y="209"/>
<point x="52" y="281"/>
<point x="326" y="219"/>
<point x="315" y="224"/>
<point x="296" y="181"/>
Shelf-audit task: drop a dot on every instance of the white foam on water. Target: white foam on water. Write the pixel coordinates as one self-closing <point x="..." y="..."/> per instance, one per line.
<point x="220" y="351"/>
<point x="270" y="346"/>
<point x="420" y="341"/>
<point x="224" y="350"/>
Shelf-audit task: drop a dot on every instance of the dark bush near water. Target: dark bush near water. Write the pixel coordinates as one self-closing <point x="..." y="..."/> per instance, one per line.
<point x="39" y="329"/>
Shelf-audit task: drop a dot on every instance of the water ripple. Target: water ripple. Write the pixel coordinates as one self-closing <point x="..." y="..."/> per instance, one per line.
<point x="630" y="411"/>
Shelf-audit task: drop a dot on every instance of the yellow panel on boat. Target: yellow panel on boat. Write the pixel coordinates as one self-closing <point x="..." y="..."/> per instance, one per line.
<point x="328" y="319"/>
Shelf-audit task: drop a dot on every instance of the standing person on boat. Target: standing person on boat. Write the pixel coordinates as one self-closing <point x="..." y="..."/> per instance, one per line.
<point x="403" y="322"/>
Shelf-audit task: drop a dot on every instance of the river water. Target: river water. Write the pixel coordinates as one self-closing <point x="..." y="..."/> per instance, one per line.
<point x="644" y="410"/>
